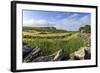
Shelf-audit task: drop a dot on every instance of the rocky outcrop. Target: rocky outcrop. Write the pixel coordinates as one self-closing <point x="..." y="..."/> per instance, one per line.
<point x="81" y="54"/>
<point x="32" y="55"/>
<point x="27" y="50"/>
<point x="35" y="55"/>
<point x="57" y="56"/>
<point x="87" y="38"/>
<point x="87" y="53"/>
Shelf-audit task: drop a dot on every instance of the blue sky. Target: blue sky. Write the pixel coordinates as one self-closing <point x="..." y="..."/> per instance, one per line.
<point x="70" y="21"/>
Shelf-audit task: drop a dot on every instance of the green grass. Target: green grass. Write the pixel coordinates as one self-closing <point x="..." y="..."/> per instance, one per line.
<point x="69" y="41"/>
<point x="49" y="46"/>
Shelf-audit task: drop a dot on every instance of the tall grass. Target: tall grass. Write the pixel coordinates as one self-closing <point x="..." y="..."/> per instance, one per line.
<point x="50" y="41"/>
<point x="49" y="46"/>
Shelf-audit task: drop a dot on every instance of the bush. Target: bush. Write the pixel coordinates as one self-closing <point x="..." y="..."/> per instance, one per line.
<point x="86" y="29"/>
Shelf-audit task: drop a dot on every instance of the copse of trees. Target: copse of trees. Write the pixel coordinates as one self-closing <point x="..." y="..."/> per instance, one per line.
<point x="85" y="29"/>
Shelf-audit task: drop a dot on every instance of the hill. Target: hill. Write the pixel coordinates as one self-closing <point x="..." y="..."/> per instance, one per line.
<point x="43" y="29"/>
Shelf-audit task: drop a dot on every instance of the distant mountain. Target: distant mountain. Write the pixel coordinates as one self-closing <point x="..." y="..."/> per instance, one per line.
<point x="44" y="28"/>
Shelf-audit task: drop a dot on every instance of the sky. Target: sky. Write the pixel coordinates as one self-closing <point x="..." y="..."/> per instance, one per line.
<point x="70" y="21"/>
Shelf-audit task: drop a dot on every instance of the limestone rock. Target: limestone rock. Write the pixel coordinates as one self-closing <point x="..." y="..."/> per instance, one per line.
<point x="32" y="55"/>
<point x="27" y="49"/>
<point x="87" y="53"/>
<point x="57" y="56"/>
<point x="82" y="53"/>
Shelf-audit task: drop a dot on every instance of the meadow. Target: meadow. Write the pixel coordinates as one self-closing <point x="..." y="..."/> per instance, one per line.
<point x="50" y="40"/>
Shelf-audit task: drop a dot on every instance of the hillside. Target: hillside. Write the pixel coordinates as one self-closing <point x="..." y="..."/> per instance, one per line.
<point x="44" y="29"/>
<point x="50" y="40"/>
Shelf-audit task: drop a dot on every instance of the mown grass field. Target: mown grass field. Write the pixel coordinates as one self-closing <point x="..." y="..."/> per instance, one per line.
<point x="50" y="41"/>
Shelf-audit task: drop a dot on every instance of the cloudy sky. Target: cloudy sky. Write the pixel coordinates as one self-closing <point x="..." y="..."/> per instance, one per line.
<point x="70" y="21"/>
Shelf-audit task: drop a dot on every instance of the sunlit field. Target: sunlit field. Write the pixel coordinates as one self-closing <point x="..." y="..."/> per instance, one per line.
<point x="49" y="40"/>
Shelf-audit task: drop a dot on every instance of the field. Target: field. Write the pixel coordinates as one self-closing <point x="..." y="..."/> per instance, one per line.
<point x="50" y="40"/>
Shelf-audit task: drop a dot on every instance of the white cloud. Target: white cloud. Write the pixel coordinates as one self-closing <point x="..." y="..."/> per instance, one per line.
<point x="70" y="20"/>
<point x="85" y="20"/>
<point x="36" y="23"/>
<point x="73" y="15"/>
<point x="72" y="23"/>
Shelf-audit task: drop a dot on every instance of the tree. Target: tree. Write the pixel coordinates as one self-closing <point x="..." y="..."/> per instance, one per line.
<point x="86" y="29"/>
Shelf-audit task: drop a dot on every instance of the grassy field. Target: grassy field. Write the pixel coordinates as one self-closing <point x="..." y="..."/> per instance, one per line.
<point x="51" y="40"/>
